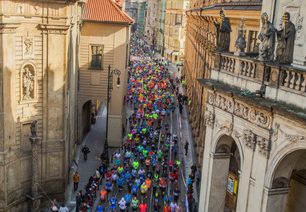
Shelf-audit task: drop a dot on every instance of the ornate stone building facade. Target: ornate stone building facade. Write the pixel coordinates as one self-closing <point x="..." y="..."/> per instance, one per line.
<point x="250" y="134"/>
<point x="38" y="82"/>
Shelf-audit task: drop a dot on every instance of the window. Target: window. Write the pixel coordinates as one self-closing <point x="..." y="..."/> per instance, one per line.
<point x="178" y="19"/>
<point x="96" y="56"/>
<point x="252" y="42"/>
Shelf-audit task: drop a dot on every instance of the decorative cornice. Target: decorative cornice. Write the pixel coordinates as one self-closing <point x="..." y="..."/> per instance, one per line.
<point x="240" y="109"/>
<point x="54" y="29"/>
<point x="6" y="28"/>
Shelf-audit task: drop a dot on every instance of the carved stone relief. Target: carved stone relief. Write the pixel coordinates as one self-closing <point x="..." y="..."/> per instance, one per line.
<point x="264" y="145"/>
<point x="240" y="109"/>
<point x="28" y="83"/>
<point x="227" y="126"/>
<point x="292" y="138"/>
<point x="209" y="118"/>
<point x="28" y="48"/>
<point x="251" y="140"/>
<point x="247" y="137"/>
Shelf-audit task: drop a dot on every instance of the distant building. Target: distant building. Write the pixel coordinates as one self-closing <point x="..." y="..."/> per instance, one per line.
<point x="175" y="30"/>
<point x="160" y="26"/>
<point x="137" y="10"/>
<point x="151" y="22"/>
<point x="105" y="37"/>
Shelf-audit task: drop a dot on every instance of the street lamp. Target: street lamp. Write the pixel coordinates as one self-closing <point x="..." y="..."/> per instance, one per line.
<point x="109" y="90"/>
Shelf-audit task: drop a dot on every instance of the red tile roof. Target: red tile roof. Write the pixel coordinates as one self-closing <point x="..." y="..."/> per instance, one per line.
<point x="105" y="11"/>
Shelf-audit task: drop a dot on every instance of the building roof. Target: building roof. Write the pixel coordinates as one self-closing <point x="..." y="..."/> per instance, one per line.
<point x="105" y="11"/>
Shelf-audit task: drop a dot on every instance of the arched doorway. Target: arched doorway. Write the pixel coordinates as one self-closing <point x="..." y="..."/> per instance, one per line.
<point x="288" y="189"/>
<point x="86" y="121"/>
<point x="225" y="176"/>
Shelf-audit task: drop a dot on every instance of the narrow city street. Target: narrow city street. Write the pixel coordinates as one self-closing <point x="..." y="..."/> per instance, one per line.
<point x="151" y="169"/>
<point x="94" y="140"/>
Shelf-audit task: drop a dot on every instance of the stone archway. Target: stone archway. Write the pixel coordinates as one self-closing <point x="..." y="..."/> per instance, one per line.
<point x="288" y="190"/>
<point x="226" y="163"/>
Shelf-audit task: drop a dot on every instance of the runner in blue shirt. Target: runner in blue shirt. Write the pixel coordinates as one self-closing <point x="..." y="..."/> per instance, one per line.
<point x="113" y="203"/>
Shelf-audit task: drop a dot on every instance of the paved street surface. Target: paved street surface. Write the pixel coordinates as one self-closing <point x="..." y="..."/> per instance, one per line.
<point x="178" y="124"/>
<point x="95" y="141"/>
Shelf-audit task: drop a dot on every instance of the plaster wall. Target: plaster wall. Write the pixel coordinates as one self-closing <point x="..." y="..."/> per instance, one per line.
<point x="93" y="83"/>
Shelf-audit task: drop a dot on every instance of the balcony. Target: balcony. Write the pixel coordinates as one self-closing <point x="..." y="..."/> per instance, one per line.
<point x="278" y="82"/>
<point x="218" y="4"/>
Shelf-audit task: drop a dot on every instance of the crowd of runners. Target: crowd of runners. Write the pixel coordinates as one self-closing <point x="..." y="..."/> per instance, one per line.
<point x="144" y="174"/>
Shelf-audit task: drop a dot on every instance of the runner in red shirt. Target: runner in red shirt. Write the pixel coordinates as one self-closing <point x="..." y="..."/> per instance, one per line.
<point x="143" y="207"/>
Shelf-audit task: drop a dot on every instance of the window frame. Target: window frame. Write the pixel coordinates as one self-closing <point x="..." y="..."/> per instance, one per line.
<point x="97" y="67"/>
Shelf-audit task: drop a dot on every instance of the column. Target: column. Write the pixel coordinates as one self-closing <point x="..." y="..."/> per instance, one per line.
<point x="276" y="199"/>
<point x="219" y="175"/>
<point x="34" y="197"/>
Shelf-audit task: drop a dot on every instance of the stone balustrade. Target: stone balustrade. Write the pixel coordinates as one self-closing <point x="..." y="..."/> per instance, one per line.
<point x="241" y="66"/>
<point x="285" y="77"/>
<point x="280" y="82"/>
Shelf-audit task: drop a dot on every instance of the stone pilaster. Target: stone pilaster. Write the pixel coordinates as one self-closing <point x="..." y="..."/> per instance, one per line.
<point x="34" y="197"/>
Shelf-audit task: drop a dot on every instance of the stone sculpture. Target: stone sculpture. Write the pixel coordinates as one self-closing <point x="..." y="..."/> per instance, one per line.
<point x="34" y="129"/>
<point x="267" y="39"/>
<point x="285" y="39"/>
<point x="223" y="32"/>
<point x="28" y="84"/>
<point x="240" y="43"/>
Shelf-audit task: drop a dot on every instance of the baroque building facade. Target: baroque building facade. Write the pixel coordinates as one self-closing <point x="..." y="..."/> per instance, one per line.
<point x="38" y="84"/>
<point x="250" y="135"/>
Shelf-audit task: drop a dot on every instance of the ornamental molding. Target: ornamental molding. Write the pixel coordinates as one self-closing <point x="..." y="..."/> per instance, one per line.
<point x="252" y="140"/>
<point x="292" y="138"/>
<point x="226" y="126"/>
<point x="8" y="28"/>
<point x="264" y="145"/>
<point x="209" y="118"/>
<point x="247" y="137"/>
<point x="240" y="109"/>
<point x="54" y="29"/>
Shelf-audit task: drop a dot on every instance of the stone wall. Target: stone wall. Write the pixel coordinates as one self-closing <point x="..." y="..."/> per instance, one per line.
<point x="35" y="70"/>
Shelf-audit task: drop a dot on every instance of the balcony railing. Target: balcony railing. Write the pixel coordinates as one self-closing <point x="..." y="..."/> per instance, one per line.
<point x="241" y="66"/>
<point x="285" y="77"/>
<point x="249" y="73"/>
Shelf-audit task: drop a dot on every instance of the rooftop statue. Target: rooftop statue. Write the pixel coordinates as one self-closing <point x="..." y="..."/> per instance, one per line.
<point x="267" y="39"/>
<point x="240" y="43"/>
<point x="285" y="39"/>
<point x="223" y="32"/>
